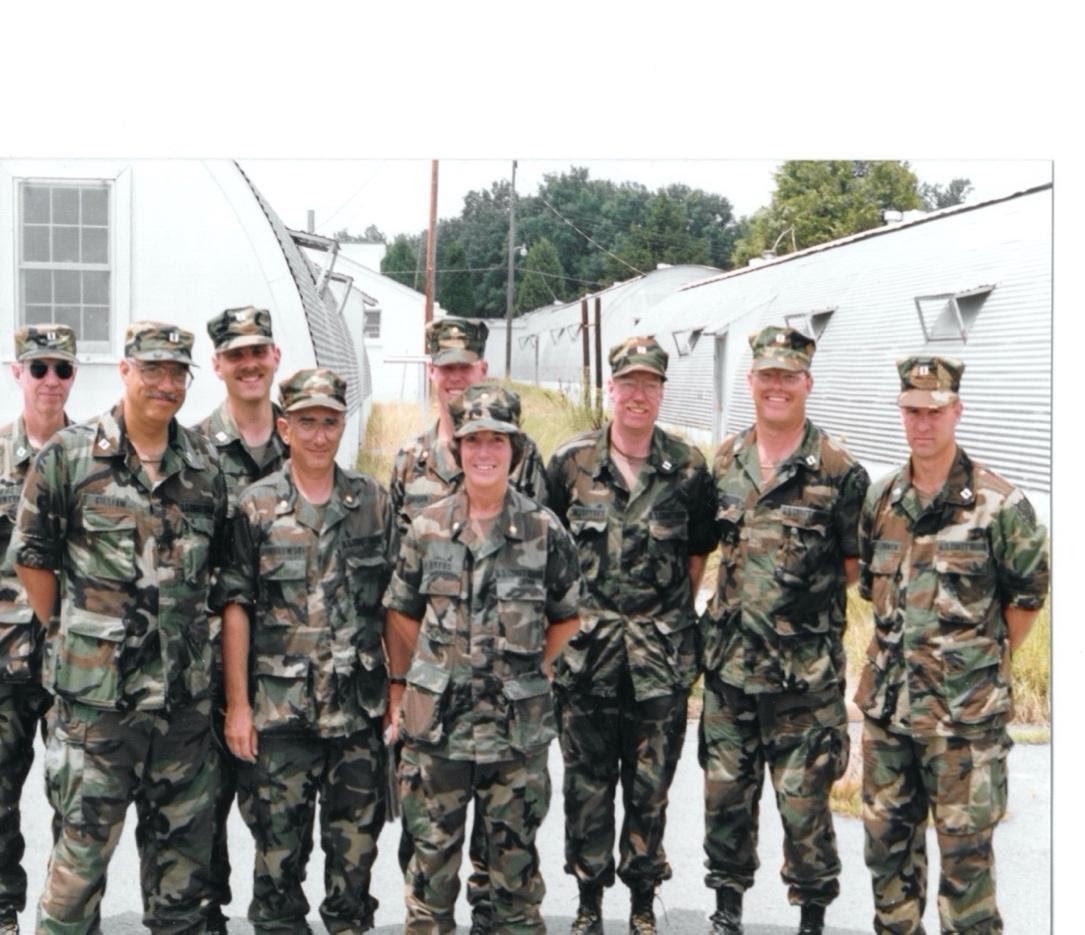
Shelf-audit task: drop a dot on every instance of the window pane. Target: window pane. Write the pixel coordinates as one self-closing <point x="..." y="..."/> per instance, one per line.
<point x="65" y="244"/>
<point x="96" y="288"/>
<point x="96" y="323"/>
<point x="37" y="286"/>
<point x="66" y="284"/>
<point x="38" y="314"/>
<point x="36" y="244"/>
<point x="96" y="206"/>
<point x="95" y="245"/>
<point x="36" y="204"/>
<point x="65" y="205"/>
<point x="68" y="315"/>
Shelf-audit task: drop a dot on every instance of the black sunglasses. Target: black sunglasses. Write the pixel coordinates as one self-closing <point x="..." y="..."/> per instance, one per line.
<point x="63" y="369"/>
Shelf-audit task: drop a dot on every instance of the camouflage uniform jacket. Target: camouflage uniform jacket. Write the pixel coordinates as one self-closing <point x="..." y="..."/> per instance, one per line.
<point x="20" y="638"/>
<point x="476" y="688"/>
<point x="238" y="465"/>
<point x="133" y="561"/>
<point x="634" y="549"/>
<point x="939" y="577"/>
<point x="424" y="471"/>
<point x="777" y="617"/>
<point x="313" y="591"/>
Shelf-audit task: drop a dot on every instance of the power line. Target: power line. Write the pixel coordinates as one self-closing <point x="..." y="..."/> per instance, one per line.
<point x="587" y="237"/>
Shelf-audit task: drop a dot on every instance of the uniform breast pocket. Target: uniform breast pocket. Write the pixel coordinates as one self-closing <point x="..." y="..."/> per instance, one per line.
<point x="804" y="548"/>
<point x="884" y="573"/>
<point x="966" y="586"/>
<point x="367" y="572"/>
<point x="589" y="529"/>
<point x="520" y="612"/>
<point x="196" y="548"/>
<point x="111" y="544"/>
<point x="283" y="585"/>
<point x="668" y="536"/>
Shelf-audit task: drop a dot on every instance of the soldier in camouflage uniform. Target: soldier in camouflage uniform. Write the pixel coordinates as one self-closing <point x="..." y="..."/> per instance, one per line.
<point x="639" y="503"/>
<point x="242" y="430"/>
<point x="787" y="516"/>
<point x="311" y="550"/>
<point x="424" y="471"/>
<point x="44" y="369"/>
<point x="956" y="566"/>
<point x="484" y="595"/>
<point x="119" y="527"/>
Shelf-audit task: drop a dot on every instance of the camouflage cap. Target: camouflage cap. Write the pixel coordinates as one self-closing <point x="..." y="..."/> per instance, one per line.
<point x="929" y="382"/>
<point x="308" y="388"/>
<point x="776" y="348"/>
<point x="48" y="340"/>
<point x="641" y="352"/>
<point x="456" y="341"/>
<point x="485" y="407"/>
<point x="157" y="340"/>
<point x="239" y="327"/>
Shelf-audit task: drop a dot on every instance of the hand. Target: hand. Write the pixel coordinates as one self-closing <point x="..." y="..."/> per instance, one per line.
<point x="240" y="733"/>
<point x="391" y="713"/>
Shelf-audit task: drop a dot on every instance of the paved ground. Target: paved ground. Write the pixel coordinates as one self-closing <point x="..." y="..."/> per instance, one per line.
<point x="1022" y="845"/>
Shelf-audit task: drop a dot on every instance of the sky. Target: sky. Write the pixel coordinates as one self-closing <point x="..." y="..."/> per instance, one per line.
<point x="394" y="194"/>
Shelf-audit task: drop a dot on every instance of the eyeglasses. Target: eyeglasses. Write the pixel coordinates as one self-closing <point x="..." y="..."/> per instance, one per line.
<point x="310" y="425"/>
<point x="785" y="377"/>
<point x="39" y="368"/>
<point x="649" y="386"/>
<point x="155" y="373"/>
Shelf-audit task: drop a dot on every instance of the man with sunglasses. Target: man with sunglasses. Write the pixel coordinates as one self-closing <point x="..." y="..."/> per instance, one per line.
<point x="242" y="429"/>
<point x="639" y="503"/>
<point x="312" y="547"/>
<point x="44" y="368"/>
<point x="121" y="522"/>
<point x="787" y="517"/>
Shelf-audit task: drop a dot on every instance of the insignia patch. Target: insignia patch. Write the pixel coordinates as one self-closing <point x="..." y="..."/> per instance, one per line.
<point x="52" y="335"/>
<point x="811" y="460"/>
<point x="922" y="370"/>
<point x="966" y="493"/>
<point x="641" y="349"/>
<point x="21" y="451"/>
<point x="221" y="436"/>
<point x="666" y="465"/>
<point x="103" y="444"/>
<point x="175" y="338"/>
<point x="781" y="338"/>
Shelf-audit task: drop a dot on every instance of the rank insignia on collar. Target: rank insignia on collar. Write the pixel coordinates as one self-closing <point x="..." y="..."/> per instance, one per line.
<point x="103" y="444"/>
<point x="221" y="435"/>
<point x="811" y="460"/>
<point x="966" y="493"/>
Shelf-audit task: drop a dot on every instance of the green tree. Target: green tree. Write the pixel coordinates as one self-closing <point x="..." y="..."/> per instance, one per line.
<point x="815" y="202"/>
<point x="664" y="237"/>
<point x="937" y="196"/>
<point x="541" y="278"/>
<point x="400" y="262"/>
<point x="372" y="234"/>
<point x="454" y="289"/>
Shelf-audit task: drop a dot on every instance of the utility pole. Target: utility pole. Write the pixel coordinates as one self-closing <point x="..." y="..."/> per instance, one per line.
<point x="431" y="244"/>
<point x="510" y="286"/>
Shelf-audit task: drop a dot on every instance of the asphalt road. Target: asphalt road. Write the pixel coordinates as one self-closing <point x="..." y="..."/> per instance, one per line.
<point x="1022" y="844"/>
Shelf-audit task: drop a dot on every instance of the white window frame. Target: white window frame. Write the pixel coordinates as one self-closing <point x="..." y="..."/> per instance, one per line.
<point x="685" y="341"/>
<point x="811" y="323"/>
<point x="369" y="316"/>
<point x="942" y="317"/>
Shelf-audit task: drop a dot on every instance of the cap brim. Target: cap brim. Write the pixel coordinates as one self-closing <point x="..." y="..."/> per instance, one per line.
<point x="48" y="354"/>
<point x="244" y="340"/>
<point x="311" y="402"/>
<point x="454" y="355"/>
<point x="176" y="356"/>
<point x="643" y="368"/>
<point x="926" y="399"/>
<point x="779" y="363"/>
<point x="486" y="425"/>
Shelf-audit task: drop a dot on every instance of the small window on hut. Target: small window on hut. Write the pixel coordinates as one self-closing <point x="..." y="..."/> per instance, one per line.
<point x="949" y="316"/>
<point x="686" y="341"/>
<point x="811" y="323"/>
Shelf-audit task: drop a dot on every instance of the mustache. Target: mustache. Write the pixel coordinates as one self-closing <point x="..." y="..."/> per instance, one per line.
<point x="167" y="397"/>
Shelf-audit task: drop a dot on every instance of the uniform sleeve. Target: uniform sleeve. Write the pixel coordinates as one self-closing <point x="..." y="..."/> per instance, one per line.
<point x="220" y="538"/>
<point x="396" y="490"/>
<point x="866" y="544"/>
<point x="564" y="584"/>
<point x="238" y="582"/>
<point x="403" y="593"/>
<point x="42" y="521"/>
<point x="849" y="506"/>
<point x="391" y="538"/>
<point x="557" y="492"/>
<point x="703" y="535"/>
<point x="530" y="474"/>
<point x="1019" y="548"/>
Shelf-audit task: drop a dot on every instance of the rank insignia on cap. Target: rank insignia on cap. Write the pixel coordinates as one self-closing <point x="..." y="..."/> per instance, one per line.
<point x="52" y="335"/>
<point x="642" y="349"/>
<point x="922" y="370"/>
<point x="781" y="338"/>
<point x="175" y="338"/>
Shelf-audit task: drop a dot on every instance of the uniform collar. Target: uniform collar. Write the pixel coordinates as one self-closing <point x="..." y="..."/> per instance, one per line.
<point x="958" y="490"/>
<point x="806" y="456"/>
<point x="435" y="452"/>
<point x="344" y="497"/>
<point x="110" y="441"/>
<point x="21" y="449"/>
<point x="662" y="456"/>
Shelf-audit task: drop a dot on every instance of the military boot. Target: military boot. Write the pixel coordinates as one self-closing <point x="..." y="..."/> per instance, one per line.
<point x="727" y="919"/>
<point x="642" y="920"/>
<point x="589" y="914"/>
<point x="812" y="921"/>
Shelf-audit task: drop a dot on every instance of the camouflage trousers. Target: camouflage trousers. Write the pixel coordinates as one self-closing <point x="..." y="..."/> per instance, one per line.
<point x="224" y="767"/>
<point x="804" y="742"/>
<point x="963" y="783"/>
<point x="277" y="798"/>
<point x="478" y="883"/>
<point x="604" y="739"/>
<point x="22" y="707"/>
<point x="96" y="762"/>
<point x="512" y="798"/>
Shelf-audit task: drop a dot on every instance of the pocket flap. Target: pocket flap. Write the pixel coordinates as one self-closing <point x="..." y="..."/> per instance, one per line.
<point x="283" y="564"/>
<point x="98" y="626"/>
<point x="283" y="667"/>
<point x="526" y="686"/>
<point x="515" y="588"/>
<point x="107" y="520"/>
<point x="803" y="517"/>
<point x="971" y="655"/>
<point x="674" y="623"/>
<point x="961" y="562"/>
<point x="428" y="676"/>
<point x="884" y="561"/>
<point x="16" y="615"/>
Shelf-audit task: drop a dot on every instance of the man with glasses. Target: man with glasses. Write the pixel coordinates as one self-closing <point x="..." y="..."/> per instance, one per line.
<point x="639" y="503"/>
<point x="119" y="527"/>
<point x="44" y="369"/>
<point x="425" y="471"/>
<point x="787" y="518"/>
<point x="312" y="548"/>
<point x="242" y="430"/>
